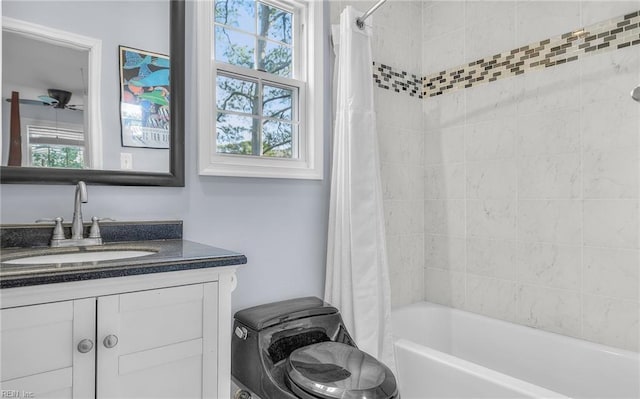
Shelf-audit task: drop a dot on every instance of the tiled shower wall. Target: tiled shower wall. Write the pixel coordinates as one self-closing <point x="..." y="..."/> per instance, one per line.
<point x="532" y="182"/>
<point x="517" y="199"/>
<point x="397" y="43"/>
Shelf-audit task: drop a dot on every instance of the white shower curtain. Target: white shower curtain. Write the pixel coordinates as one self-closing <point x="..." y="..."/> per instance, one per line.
<point x="357" y="279"/>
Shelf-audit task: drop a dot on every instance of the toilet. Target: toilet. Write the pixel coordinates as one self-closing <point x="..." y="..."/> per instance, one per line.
<point x="300" y="348"/>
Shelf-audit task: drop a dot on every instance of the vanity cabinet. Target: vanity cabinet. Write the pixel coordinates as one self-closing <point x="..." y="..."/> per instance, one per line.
<point x="39" y="354"/>
<point x="159" y="342"/>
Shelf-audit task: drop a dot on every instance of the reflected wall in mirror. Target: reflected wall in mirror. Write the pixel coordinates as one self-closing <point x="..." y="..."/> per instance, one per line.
<point x="51" y="82"/>
<point x="62" y="68"/>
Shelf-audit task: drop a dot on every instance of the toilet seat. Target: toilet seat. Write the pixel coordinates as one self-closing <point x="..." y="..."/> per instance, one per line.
<point x="332" y="370"/>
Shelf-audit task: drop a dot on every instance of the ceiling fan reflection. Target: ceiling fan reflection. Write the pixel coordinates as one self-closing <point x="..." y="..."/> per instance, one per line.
<point x="55" y="98"/>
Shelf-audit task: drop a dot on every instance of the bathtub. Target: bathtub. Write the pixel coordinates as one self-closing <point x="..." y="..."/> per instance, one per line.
<point x="448" y="353"/>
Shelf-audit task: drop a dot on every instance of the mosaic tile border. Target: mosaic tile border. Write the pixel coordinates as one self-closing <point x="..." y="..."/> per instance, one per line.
<point x="613" y="34"/>
<point x="390" y="78"/>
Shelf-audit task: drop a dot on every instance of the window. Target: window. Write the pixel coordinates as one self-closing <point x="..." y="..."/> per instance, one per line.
<point x="55" y="147"/>
<point x="260" y="88"/>
<point x="255" y="117"/>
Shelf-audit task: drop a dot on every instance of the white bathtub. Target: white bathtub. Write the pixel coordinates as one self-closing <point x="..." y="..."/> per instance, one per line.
<point x="448" y="353"/>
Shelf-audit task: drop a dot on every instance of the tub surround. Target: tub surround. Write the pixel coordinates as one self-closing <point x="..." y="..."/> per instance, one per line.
<point x="390" y="78"/>
<point x="171" y="253"/>
<point x="614" y="34"/>
<point x="516" y="199"/>
<point x="604" y="36"/>
<point x="531" y="182"/>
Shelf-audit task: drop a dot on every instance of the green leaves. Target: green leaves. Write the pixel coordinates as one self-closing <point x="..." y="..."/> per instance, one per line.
<point x="57" y="156"/>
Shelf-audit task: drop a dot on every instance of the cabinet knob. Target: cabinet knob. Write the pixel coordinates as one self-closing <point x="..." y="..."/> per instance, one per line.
<point x="110" y="341"/>
<point x="85" y="346"/>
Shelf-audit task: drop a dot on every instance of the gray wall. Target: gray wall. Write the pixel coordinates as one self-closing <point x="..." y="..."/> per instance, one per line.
<point x="279" y="224"/>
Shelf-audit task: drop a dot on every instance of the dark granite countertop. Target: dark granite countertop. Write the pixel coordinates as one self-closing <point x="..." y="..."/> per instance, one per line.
<point x="171" y="254"/>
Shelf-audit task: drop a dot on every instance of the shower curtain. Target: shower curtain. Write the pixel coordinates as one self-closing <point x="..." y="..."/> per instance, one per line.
<point x="357" y="278"/>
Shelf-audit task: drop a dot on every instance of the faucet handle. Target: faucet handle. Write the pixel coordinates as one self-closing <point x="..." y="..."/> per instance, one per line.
<point x="95" y="227"/>
<point x="58" y="232"/>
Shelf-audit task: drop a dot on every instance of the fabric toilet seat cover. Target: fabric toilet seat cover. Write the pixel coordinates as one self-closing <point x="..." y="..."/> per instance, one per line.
<point x="333" y="370"/>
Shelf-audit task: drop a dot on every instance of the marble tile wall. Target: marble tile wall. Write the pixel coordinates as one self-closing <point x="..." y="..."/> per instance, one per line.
<point x="531" y="210"/>
<point x="600" y="37"/>
<point x="517" y="199"/>
<point x="396" y="44"/>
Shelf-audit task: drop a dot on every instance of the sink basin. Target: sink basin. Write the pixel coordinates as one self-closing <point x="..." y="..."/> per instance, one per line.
<point x="78" y="257"/>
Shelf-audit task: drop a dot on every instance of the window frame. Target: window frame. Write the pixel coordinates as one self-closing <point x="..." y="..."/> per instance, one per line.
<point x="308" y="73"/>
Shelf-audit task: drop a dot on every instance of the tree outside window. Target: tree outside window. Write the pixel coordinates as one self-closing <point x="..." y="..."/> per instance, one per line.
<point x="255" y="114"/>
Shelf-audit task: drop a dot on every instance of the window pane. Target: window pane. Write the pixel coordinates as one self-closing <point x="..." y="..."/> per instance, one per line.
<point x="276" y="102"/>
<point x="57" y="156"/>
<point x="274" y="58"/>
<point x="277" y="139"/>
<point x="234" y="133"/>
<point x="234" y="48"/>
<point x="274" y="23"/>
<point x="237" y="13"/>
<point x="236" y="95"/>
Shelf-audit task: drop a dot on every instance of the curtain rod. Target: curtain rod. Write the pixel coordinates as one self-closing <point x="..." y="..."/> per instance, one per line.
<point x="360" y="21"/>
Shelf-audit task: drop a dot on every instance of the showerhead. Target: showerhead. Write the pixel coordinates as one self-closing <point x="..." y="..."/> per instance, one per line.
<point x="635" y="93"/>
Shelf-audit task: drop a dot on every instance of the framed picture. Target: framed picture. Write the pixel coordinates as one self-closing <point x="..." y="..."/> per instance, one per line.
<point x="144" y="98"/>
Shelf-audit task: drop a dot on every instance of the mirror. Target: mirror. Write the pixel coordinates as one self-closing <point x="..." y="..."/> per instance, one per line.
<point x="92" y="98"/>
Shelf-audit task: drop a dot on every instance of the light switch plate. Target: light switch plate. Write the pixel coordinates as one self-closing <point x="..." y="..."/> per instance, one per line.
<point x="126" y="160"/>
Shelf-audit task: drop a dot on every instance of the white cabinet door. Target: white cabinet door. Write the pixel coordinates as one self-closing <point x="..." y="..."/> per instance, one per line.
<point x="159" y="343"/>
<point x="40" y="350"/>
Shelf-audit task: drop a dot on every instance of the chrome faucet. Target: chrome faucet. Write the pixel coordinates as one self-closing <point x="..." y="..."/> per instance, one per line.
<point x="77" y="226"/>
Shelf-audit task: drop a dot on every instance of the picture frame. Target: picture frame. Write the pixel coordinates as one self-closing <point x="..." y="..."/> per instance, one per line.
<point x="145" y="114"/>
